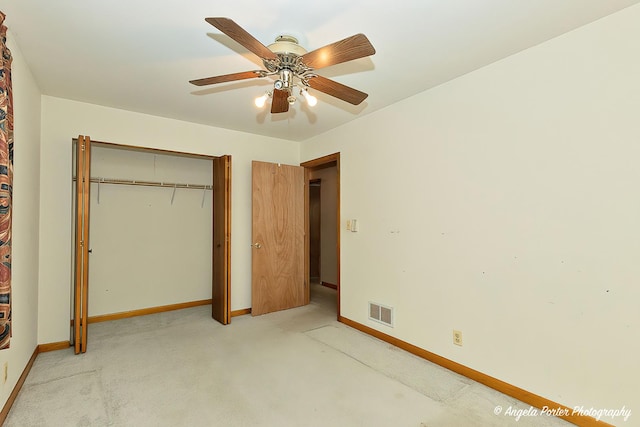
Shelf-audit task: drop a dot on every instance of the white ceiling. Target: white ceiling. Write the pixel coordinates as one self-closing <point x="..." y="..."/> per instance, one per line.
<point x="140" y="55"/>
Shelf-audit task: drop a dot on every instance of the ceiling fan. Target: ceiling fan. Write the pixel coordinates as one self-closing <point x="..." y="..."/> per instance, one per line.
<point x="293" y="66"/>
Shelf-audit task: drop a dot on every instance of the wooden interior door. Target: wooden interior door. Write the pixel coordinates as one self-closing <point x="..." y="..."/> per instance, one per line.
<point x="221" y="295"/>
<point x="278" y="280"/>
<point x="81" y="279"/>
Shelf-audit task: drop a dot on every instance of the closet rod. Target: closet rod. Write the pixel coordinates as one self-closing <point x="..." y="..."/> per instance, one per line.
<point x="149" y="183"/>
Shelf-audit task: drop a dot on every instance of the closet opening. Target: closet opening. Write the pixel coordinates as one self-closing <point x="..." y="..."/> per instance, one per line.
<point x="152" y="233"/>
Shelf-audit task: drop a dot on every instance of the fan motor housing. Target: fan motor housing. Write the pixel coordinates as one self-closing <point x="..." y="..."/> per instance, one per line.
<point x="286" y="44"/>
<point x="289" y="52"/>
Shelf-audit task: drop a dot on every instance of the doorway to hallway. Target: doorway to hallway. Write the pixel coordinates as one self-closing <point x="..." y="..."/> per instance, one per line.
<point x="322" y="177"/>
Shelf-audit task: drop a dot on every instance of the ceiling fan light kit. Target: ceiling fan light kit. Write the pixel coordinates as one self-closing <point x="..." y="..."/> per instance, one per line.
<point x="311" y="100"/>
<point x="261" y="100"/>
<point x="293" y="66"/>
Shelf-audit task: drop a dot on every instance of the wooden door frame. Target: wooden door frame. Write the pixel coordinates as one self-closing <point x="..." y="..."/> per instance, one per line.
<point x="324" y="162"/>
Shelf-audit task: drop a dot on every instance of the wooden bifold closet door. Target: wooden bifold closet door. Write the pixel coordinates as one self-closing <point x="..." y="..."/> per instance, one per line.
<point x="221" y="268"/>
<point x="81" y="277"/>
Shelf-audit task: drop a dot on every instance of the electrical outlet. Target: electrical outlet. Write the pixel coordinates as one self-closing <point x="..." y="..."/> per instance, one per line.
<point x="5" y="372"/>
<point x="457" y="337"/>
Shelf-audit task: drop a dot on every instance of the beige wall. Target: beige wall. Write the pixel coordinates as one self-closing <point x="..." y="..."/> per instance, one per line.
<point x="63" y="120"/>
<point x="506" y="206"/>
<point x="26" y="211"/>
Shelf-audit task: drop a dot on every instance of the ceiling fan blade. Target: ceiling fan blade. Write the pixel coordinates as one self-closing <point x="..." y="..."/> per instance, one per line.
<point x="279" y="103"/>
<point x="338" y="90"/>
<point x="227" y="78"/>
<point x="348" y="49"/>
<point x="237" y="33"/>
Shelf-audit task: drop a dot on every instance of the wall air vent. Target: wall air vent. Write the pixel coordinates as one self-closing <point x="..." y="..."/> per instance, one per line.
<point x="381" y="313"/>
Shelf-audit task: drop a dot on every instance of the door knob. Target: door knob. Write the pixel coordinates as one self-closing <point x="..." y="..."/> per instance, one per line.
<point x="257" y="245"/>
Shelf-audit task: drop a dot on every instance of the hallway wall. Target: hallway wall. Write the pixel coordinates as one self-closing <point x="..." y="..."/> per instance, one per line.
<point x="328" y="224"/>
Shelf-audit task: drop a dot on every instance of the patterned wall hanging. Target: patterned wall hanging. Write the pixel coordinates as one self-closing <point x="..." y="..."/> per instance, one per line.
<point x="6" y="186"/>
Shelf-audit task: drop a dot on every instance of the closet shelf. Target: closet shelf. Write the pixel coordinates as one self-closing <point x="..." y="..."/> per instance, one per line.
<point x="149" y="183"/>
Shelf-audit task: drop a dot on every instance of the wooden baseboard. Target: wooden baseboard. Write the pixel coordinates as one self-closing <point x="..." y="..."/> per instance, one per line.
<point x="145" y="311"/>
<point x="329" y="285"/>
<point x="61" y="345"/>
<point x="241" y="312"/>
<point x="494" y="383"/>
<point x="53" y="346"/>
<point x="18" y="386"/>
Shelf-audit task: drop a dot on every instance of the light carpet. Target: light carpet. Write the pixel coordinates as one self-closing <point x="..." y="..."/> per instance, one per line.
<point x="292" y="368"/>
